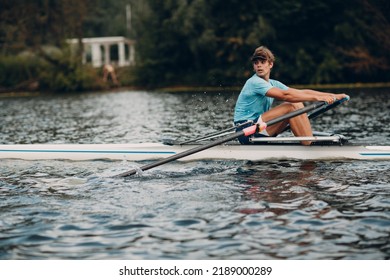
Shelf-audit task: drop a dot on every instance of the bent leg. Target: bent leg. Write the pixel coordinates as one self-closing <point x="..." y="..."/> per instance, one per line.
<point x="300" y="125"/>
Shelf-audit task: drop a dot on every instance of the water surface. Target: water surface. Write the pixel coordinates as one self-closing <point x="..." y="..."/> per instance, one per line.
<point x="194" y="210"/>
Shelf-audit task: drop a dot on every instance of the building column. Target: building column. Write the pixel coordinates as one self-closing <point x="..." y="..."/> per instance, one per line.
<point x="96" y="55"/>
<point x="121" y="54"/>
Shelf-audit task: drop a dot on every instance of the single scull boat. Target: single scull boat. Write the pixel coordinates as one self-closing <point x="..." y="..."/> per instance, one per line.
<point x="273" y="149"/>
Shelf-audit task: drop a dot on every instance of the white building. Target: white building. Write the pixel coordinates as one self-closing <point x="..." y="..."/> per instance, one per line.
<point x="118" y="51"/>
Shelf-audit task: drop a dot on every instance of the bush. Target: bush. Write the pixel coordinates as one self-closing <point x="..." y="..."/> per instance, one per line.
<point x="55" y="71"/>
<point x="63" y="72"/>
<point x="16" y="70"/>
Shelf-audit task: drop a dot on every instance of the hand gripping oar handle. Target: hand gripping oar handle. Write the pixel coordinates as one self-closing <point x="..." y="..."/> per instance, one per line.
<point x="245" y="132"/>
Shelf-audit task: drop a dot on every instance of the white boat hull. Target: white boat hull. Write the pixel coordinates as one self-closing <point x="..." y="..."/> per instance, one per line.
<point x="155" y="151"/>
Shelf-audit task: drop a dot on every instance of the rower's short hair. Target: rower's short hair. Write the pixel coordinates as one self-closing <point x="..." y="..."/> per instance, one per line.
<point x="263" y="53"/>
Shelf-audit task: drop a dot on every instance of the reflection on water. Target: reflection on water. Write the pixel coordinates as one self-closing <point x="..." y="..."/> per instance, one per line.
<point x="285" y="176"/>
<point x="194" y="210"/>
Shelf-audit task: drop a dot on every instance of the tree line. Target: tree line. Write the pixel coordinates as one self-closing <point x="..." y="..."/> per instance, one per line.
<point x="199" y="42"/>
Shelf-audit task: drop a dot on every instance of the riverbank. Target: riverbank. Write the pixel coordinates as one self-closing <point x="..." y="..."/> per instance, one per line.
<point x="204" y="89"/>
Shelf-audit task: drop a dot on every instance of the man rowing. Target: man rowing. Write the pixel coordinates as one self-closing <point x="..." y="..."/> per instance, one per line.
<point x="257" y="95"/>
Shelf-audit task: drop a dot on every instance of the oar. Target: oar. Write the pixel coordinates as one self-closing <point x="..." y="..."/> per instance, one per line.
<point x="314" y="114"/>
<point x="245" y="132"/>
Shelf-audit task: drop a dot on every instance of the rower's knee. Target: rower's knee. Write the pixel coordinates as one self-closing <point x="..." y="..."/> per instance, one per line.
<point x="291" y="107"/>
<point x="296" y="106"/>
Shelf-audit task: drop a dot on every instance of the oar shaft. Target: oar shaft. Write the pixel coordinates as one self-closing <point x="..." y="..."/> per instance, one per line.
<point x="245" y="132"/>
<point x="189" y="152"/>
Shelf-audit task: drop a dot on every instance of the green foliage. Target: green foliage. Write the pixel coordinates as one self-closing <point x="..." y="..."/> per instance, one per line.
<point x="106" y="18"/>
<point x="199" y="42"/>
<point x="209" y="42"/>
<point x="65" y="73"/>
<point x="15" y="70"/>
<point x="59" y="72"/>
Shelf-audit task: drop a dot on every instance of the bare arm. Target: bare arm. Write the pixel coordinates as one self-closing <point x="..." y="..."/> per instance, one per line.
<point x="300" y="95"/>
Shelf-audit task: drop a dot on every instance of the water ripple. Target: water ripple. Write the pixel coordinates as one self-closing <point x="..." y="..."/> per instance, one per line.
<point x="195" y="210"/>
